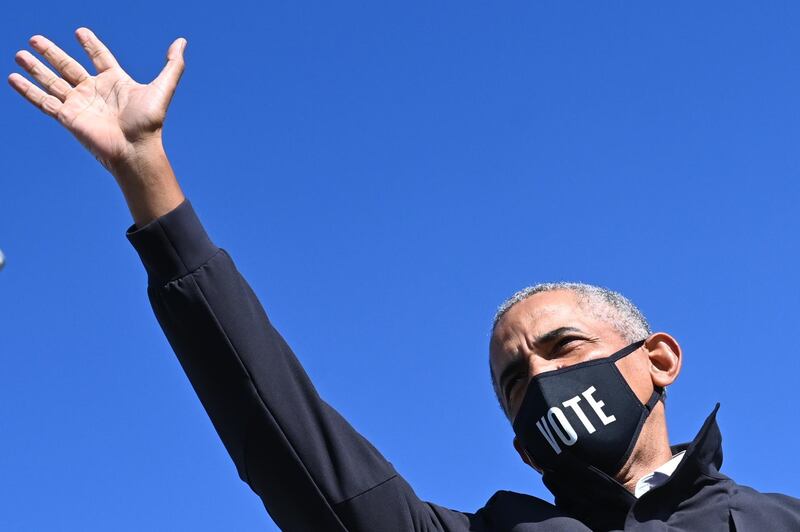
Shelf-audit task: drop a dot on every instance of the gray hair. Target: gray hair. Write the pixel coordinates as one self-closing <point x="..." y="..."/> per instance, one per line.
<point x="606" y="305"/>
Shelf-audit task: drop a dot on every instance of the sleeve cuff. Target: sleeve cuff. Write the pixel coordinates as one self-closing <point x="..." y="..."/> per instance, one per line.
<point x="173" y="245"/>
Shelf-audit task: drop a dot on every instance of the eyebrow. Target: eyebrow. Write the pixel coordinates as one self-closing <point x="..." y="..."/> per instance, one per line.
<point x="519" y="362"/>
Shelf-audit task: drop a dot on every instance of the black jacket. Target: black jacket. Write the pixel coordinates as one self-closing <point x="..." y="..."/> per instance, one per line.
<point x="314" y="472"/>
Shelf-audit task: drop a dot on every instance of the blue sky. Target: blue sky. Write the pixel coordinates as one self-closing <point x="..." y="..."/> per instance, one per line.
<point x="385" y="174"/>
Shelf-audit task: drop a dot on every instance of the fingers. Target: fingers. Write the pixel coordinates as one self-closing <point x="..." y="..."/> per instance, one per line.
<point x="101" y="57"/>
<point x="46" y="78"/>
<point x="70" y="70"/>
<point x="47" y="103"/>
<point x="169" y="76"/>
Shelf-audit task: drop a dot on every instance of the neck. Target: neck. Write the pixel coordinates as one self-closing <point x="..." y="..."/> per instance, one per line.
<point x="651" y="451"/>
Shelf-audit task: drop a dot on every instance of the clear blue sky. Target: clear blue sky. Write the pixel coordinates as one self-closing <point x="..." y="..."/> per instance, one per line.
<point x="384" y="175"/>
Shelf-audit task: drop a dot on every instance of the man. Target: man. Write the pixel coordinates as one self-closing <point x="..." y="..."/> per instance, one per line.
<point x="575" y="367"/>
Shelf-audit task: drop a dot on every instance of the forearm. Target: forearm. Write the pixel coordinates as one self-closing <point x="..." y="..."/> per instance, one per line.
<point x="147" y="181"/>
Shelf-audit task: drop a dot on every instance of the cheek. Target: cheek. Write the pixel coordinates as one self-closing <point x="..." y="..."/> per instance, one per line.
<point x="636" y="370"/>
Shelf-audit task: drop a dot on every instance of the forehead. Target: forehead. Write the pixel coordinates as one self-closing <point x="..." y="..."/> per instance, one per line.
<point x="538" y="315"/>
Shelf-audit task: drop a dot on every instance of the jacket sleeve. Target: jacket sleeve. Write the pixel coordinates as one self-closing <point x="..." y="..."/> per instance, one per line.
<point x="310" y="468"/>
<point x="753" y="510"/>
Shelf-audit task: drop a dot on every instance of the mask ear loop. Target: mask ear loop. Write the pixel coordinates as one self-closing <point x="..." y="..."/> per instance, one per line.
<point x="649" y="406"/>
<point x="658" y="393"/>
<point x="625" y="351"/>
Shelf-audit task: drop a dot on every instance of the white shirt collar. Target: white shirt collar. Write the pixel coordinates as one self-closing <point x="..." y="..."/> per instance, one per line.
<point x="659" y="476"/>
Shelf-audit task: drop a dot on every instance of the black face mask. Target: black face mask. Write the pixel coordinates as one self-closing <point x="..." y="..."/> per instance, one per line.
<point x="585" y="412"/>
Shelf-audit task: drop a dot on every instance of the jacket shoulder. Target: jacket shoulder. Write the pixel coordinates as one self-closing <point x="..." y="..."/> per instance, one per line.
<point x="508" y="510"/>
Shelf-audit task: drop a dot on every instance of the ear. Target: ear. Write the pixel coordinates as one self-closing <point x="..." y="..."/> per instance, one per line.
<point x="523" y="454"/>
<point x="665" y="358"/>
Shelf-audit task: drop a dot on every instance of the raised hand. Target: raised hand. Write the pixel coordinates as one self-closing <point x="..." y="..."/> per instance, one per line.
<point x="109" y="113"/>
<point x="116" y="118"/>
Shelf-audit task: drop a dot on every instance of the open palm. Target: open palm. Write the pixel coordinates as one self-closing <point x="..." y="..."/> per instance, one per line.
<point x="109" y="112"/>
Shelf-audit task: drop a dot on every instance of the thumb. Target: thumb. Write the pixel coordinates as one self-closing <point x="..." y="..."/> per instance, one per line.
<point x="169" y="76"/>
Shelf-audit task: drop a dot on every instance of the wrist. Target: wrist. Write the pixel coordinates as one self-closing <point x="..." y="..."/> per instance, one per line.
<point x="147" y="180"/>
<point x="137" y="155"/>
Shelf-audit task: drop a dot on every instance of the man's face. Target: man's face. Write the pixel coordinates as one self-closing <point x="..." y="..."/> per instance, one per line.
<point x="551" y="330"/>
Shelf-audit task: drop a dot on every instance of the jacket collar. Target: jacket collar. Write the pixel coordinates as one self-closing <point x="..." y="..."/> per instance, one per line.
<point x="598" y="499"/>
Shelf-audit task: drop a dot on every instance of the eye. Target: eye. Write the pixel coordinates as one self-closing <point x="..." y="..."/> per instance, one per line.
<point x="563" y="342"/>
<point x="564" y="345"/>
